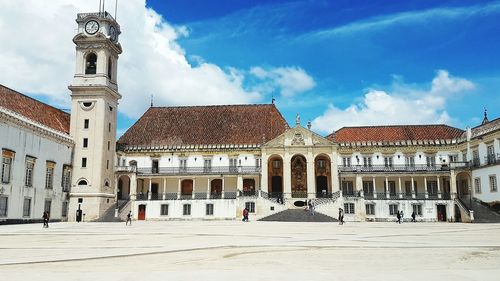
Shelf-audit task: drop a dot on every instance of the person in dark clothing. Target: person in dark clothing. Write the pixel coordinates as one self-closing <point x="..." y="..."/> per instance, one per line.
<point x="245" y="215"/>
<point x="398" y="215"/>
<point x="341" y="216"/>
<point x="129" y="218"/>
<point x="413" y="217"/>
<point x="45" y="218"/>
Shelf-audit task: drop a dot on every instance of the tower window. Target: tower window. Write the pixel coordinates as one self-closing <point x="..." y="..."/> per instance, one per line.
<point x="110" y="69"/>
<point x="109" y="127"/>
<point x="85" y="142"/>
<point x="86" y="123"/>
<point x="84" y="162"/>
<point x="91" y="64"/>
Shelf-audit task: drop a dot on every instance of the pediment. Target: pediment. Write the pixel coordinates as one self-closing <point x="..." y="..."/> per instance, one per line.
<point x="298" y="136"/>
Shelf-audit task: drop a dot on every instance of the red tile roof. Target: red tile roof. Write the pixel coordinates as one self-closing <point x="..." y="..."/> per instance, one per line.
<point x="34" y="110"/>
<point x="195" y="125"/>
<point x="395" y="133"/>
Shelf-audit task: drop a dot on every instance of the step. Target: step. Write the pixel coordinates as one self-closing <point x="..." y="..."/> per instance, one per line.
<point x="298" y="215"/>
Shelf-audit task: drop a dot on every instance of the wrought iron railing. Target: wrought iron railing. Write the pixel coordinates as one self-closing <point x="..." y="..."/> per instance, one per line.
<point x="394" y="168"/>
<point x="215" y="170"/>
<point x="128" y="169"/>
<point x="299" y="194"/>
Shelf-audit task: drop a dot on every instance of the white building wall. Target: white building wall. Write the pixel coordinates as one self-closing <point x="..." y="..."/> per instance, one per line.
<point x="484" y="174"/>
<point x="24" y="141"/>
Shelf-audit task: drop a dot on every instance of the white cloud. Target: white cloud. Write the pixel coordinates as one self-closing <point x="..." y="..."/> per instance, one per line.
<point x="403" y="105"/>
<point x="288" y="80"/>
<point x="38" y="56"/>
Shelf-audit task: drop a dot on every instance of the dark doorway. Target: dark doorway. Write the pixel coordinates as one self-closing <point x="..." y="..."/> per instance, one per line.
<point x="141" y="215"/>
<point x="187" y="187"/>
<point x="441" y="212"/>
<point x="249" y="187"/>
<point x="154" y="191"/>
<point x="321" y="186"/>
<point x="120" y="186"/>
<point x="216" y="188"/>
<point x="276" y="185"/>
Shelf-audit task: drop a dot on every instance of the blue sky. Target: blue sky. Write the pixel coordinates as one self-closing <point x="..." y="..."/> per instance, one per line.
<point x="348" y="47"/>
<point x="336" y="63"/>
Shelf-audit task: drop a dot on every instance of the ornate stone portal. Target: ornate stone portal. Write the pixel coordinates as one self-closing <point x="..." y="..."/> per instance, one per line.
<point x="299" y="176"/>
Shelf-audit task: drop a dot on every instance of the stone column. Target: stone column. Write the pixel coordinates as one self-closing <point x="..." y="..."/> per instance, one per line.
<point x="439" y="187"/>
<point x="194" y="189"/>
<point x="263" y="173"/>
<point x="359" y="184"/>
<point x="239" y="183"/>
<point x="133" y="186"/>
<point x="334" y="172"/>
<point x="413" y="193"/>
<point x="425" y="188"/>
<point x="387" y="187"/>
<point x="179" y="189"/>
<point x="222" y="195"/>
<point x="149" y="188"/>
<point x="374" y="188"/>
<point x="311" y="186"/>
<point x="208" y="188"/>
<point x="400" y="188"/>
<point x="453" y="184"/>
<point x="287" y="175"/>
<point x="164" y="189"/>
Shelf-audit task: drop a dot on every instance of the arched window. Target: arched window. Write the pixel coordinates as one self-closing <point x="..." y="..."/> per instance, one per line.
<point x="82" y="182"/>
<point x="110" y="68"/>
<point x="91" y="64"/>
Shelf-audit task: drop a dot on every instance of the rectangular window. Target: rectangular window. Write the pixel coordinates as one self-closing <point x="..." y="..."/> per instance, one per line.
<point x="183" y="165"/>
<point x="233" y="164"/>
<point x="258" y="162"/>
<point x="276" y="164"/>
<point x="164" y="210"/>
<point x="321" y="164"/>
<point x="85" y="142"/>
<point x="432" y="187"/>
<point x="346" y="161"/>
<point x="30" y="165"/>
<point x="47" y="206"/>
<point x="109" y="127"/>
<point x="109" y="145"/>
<point x="3" y="206"/>
<point x="370" y="209"/>
<point x="410" y="161"/>
<point x="186" y="209"/>
<point x="408" y="189"/>
<point x="207" y="165"/>
<point x="86" y="123"/>
<point x="155" y="166"/>
<point x="490" y="157"/>
<point x="367" y="161"/>
<point x="49" y="175"/>
<point x="27" y="207"/>
<point x="348" y="208"/>
<point x="475" y="158"/>
<point x="7" y="159"/>
<point x="431" y="161"/>
<point x="392" y="187"/>
<point x="452" y="158"/>
<point x="347" y="188"/>
<point x="64" y="211"/>
<point x="66" y="178"/>
<point x="464" y="156"/>
<point x="417" y="209"/>
<point x="368" y="187"/>
<point x="250" y="206"/>
<point x="209" y="209"/>
<point x="388" y="162"/>
<point x="393" y="209"/>
<point x="477" y="185"/>
<point x="84" y="162"/>
<point x="493" y="183"/>
<point x="107" y="164"/>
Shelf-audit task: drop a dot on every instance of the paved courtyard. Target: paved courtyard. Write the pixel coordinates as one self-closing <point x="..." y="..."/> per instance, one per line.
<point x="232" y="250"/>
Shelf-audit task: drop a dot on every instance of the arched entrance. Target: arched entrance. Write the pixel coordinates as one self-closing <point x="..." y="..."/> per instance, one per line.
<point x="141" y="214"/>
<point x="187" y="188"/>
<point x="299" y="176"/>
<point x="275" y="176"/>
<point x="322" y="172"/>
<point x="216" y="188"/>
<point x="249" y="187"/>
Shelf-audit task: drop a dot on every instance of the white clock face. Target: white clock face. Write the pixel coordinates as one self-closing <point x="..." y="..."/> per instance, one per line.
<point x="112" y="33"/>
<point x="91" y="27"/>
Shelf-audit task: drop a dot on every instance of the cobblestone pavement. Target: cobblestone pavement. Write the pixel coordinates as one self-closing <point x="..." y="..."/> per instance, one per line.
<point x="233" y="250"/>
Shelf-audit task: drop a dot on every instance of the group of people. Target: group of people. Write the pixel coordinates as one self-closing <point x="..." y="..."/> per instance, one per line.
<point x="400" y="217"/>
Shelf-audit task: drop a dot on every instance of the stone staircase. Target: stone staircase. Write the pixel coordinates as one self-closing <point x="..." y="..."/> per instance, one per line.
<point x="109" y="214"/>
<point x="298" y="215"/>
<point x="483" y="214"/>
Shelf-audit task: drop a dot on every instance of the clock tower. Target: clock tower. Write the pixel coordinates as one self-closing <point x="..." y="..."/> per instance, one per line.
<point x="94" y="102"/>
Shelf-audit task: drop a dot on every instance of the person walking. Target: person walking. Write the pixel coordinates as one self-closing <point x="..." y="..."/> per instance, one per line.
<point x="341" y="216"/>
<point x="402" y="216"/>
<point x="312" y="208"/>
<point x="129" y="218"/>
<point x="245" y="214"/>
<point x="398" y="215"/>
<point x="45" y="218"/>
<point x="413" y="217"/>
